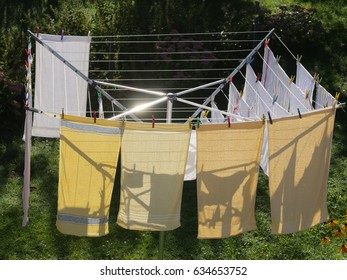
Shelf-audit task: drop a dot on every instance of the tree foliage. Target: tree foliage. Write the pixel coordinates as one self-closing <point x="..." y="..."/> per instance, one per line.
<point x="316" y="30"/>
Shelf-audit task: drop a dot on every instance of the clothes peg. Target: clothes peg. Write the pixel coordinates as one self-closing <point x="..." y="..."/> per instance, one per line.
<point x="62" y="113"/>
<point x="299" y="113"/>
<point x="206" y="113"/>
<point x="153" y="121"/>
<point x="298" y="58"/>
<point x="28" y="53"/>
<point x="198" y="122"/>
<point x="190" y="122"/>
<point x="316" y="78"/>
<point x="230" y="79"/>
<point x="241" y="93"/>
<point x="337" y="96"/>
<point x="278" y="58"/>
<point x="291" y="80"/>
<point x="270" y="119"/>
<point x="258" y="77"/>
<point x="236" y="107"/>
<point x="229" y="121"/>
<point x="37" y="31"/>
<point x="263" y="118"/>
<point x="266" y="42"/>
<point x="307" y="94"/>
<point x="94" y="116"/>
<point x="274" y="99"/>
<point x="62" y="35"/>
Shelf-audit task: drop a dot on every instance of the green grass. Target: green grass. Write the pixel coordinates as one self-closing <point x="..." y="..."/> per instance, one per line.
<point x="41" y="240"/>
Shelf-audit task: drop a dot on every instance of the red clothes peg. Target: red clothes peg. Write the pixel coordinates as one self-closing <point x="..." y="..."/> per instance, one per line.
<point x="266" y="42"/>
<point x="258" y="77"/>
<point x="229" y="121"/>
<point x="94" y="116"/>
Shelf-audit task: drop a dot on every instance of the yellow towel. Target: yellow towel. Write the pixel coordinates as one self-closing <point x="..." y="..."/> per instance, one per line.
<point x="88" y="160"/>
<point x="299" y="157"/>
<point x="153" y="167"/>
<point x="227" y="176"/>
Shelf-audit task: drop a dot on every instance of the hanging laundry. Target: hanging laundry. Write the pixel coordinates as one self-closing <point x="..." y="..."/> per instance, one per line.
<point x="238" y="106"/>
<point x="153" y="166"/>
<point x="203" y="116"/>
<point x="101" y="106"/>
<point x="263" y="104"/>
<point x="323" y="98"/>
<point x="216" y="117"/>
<point x="259" y="98"/>
<point x="27" y="139"/>
<point x="299" y="156"/>
<point x="269" y="70"/>
<point x="190" y="173"/>
<point x="227" y="176"/>
<point x="57" y="86"/>
<point x="288" y="93"/>
<point x="88" y="161"/>
<point x="278" y="84"/>
<point x="304" y="81"/>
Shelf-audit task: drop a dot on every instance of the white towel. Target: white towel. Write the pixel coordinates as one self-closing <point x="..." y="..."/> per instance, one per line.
<point x="58" y="87"/>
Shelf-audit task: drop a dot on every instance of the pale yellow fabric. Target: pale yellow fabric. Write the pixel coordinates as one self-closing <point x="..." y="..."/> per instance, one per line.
<point x="299" y="157"/>
<point x="153" y="167"/>
<point x="88" y="160"/>
<point x="227" y="176"/>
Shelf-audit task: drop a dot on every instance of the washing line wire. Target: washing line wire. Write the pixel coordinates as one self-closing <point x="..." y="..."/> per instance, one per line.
<point x="222" y="33"/>
<point x="286" y="46"/>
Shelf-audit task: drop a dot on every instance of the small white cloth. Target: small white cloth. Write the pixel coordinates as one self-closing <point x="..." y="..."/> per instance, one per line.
<point x="57" y="86"/>
<point x="216" y="117"/>
<point x="304" y="80"/>
<point x="259" y="98"/>
<point x="269" y="66"/>
<point x="289" y="94"/>
<point x="323" y="98"/>
<point x="238" y="106"/>
<point x="190" y="173"/>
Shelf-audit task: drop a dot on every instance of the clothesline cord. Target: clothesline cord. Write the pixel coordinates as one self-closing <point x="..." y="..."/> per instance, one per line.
<point x="179" y="34"/>
<point x="286" y="47"/>
<point x="171" y="53"/>
<point x="161" y="79"/>
<point x="158" y="70"/>
<point x="176" y="41"/>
